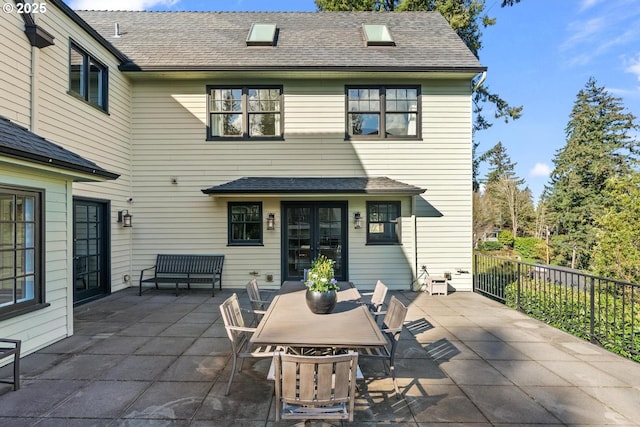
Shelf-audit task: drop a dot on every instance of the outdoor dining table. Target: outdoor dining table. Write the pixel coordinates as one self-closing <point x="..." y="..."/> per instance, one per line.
<point x="289" y="322"/>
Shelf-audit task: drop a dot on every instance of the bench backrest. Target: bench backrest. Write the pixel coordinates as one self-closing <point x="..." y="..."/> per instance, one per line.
<point x="194" y="264"/>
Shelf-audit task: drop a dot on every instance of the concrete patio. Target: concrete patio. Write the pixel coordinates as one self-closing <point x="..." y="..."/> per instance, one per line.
<point x="162" y="360"/>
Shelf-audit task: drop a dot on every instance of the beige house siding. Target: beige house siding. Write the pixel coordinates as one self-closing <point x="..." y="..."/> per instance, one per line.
<point x="101" y="137"/>
<point x="169" y="139"/>
<point x="46" y="326"/>
<point x="15" y="63"/>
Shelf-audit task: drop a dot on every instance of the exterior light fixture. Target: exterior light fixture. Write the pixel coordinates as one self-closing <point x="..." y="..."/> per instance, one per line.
<point x="271" y="222"/>
<point x="124" y="217"/>
<point x="357" y="220"/>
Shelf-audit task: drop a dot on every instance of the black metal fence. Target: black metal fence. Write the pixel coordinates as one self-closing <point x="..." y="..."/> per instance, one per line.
<point x="601" y="310"/>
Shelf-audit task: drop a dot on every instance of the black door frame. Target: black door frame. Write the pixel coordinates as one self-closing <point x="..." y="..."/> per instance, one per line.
<point x="104" y="224"/>
<point x="314" y="205"/>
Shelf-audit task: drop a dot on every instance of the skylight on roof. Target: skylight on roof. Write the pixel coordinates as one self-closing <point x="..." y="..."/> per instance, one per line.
<point x="262" y="35"/>
<point x="377" y="35"/>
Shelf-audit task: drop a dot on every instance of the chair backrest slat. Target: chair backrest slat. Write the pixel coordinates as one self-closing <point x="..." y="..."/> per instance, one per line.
<point x="379" y="294"/>
<point x="232" y="316"/>
<point x="253" y="292"/>
<point x="315" y="383"/>
<point x="396" y="313"/>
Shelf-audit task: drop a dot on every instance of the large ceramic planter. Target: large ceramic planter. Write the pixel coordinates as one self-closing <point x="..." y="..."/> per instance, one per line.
<point x="321" y="302"/>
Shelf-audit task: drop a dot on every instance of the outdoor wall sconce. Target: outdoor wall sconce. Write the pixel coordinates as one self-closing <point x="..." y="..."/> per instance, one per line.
<point x="271" y="222"/>
<point x="124" y="217"/>
<point x="357" y="221"/>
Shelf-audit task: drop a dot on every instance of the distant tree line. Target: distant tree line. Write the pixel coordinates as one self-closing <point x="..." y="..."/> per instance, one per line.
<point x="587" y="217"/>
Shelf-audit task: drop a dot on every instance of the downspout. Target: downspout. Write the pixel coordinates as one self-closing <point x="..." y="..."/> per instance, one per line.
<point x="482" y="79"/>
<point x="415" y="241"/>
<point x="33" y="104"/>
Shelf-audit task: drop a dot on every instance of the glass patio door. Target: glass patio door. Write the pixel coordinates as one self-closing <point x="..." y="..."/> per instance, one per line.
<point x="90" y="250"/>
<point x="313" y="229"/>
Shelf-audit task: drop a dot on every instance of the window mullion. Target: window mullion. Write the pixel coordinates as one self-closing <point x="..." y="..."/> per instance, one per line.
<point x="383" y="113"/>
<point x="245" y="112"/>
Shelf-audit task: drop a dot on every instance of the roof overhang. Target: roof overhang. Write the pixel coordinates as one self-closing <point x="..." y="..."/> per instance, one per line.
<point x="77" y="173"/>
<point x="305" y="186"/>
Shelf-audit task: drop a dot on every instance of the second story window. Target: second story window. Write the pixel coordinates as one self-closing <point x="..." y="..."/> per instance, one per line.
<point x="245" y="112"/>
<point x="383" y="112"/>
<point x="87" y="77"/>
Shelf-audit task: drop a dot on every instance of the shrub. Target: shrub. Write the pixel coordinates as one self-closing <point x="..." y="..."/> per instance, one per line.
<point x="526" y="246"/>
<point x="490" y="246"/>
<point x="506" y="238"/>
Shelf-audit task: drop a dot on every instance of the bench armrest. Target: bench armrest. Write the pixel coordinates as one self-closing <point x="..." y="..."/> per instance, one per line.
<point x="146" y="269"/>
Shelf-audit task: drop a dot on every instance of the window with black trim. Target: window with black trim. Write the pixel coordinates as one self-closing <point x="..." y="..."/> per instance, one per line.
<point x="245" y="223"/>
<point x="21" y="270"/>
<point x="383" y="222"/>
<point x="394" y="109"/>
<point x="88" y="77"/>
<point x="245" y="112"/>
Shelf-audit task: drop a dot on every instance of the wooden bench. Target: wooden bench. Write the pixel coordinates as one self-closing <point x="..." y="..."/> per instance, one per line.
<point x="187" y="269"/>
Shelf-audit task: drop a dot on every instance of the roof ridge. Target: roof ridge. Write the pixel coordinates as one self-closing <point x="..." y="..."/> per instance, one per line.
<point x="274" y="12"/>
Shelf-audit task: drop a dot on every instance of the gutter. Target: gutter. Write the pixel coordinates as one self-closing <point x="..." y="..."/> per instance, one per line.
<point x="46" y="160"/>
<point x="130" y="66"/>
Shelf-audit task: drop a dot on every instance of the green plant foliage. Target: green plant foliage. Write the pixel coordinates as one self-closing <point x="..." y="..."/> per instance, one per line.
<point x="599" y="147"/>
<point x="490" y="246"/>
<point x="321" y="275"/>
<point x="506" y="238"/>
<point x="526" y="247"/>
<point x="616" y="313"/>
<point x="617" y="253"/>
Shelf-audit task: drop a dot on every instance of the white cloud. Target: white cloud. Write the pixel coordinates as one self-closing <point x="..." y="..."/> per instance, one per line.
<point x="587" y="4"/>
<point x="540" y="169"/>
<point x="119" y="4"/>
<point x="633" y="66"/>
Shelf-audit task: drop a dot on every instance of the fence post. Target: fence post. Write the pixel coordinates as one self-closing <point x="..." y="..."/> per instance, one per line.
<point x="592" y="308"/>
<point x="475" y="272"/>
<point x="518" y="289"/>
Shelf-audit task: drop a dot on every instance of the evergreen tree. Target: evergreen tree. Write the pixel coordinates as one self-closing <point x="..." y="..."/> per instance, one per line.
<point x="513" y="205"/>
<point x="598" y="147"/>
<point x="499" y="164"/>
<point x="617" y="252"/>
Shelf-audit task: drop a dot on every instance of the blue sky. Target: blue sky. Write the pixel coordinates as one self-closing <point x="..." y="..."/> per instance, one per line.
<point x="540" y="54"/>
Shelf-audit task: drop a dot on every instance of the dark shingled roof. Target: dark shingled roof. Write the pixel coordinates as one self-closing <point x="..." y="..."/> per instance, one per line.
<point x="307" y="185"/>
<point x="20" y="143"/>
<point x="306" y="40"/>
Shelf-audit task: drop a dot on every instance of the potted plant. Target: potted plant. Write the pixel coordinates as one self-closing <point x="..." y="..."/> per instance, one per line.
<point x="321" y="286"/>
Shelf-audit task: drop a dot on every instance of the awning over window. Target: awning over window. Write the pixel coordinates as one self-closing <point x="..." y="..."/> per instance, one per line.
<point x="307" y="185"/>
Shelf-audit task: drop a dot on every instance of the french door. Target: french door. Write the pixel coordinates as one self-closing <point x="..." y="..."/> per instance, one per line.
<point x="90" y="250"/>
<point x="311" y="229"/>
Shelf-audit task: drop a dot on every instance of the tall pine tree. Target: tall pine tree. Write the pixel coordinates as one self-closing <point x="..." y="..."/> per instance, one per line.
<point x="598" y="147"/>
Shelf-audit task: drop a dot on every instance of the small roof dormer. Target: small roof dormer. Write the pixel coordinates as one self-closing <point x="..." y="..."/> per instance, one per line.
<point x="262" y="35"/>
<point x="377" y="35"/>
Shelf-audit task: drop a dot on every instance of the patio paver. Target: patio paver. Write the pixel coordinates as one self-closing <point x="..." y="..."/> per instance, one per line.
<point x="463" y="360"/>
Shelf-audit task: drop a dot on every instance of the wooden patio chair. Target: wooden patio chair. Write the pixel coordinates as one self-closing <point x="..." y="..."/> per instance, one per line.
<point x="315" y="387"/>
<point x="239" y="335"/>
<point x="391" y="327"/>
<point x="11" y="348"/>
<point x="375" y="302"/>
<point x="258" y="304"/>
